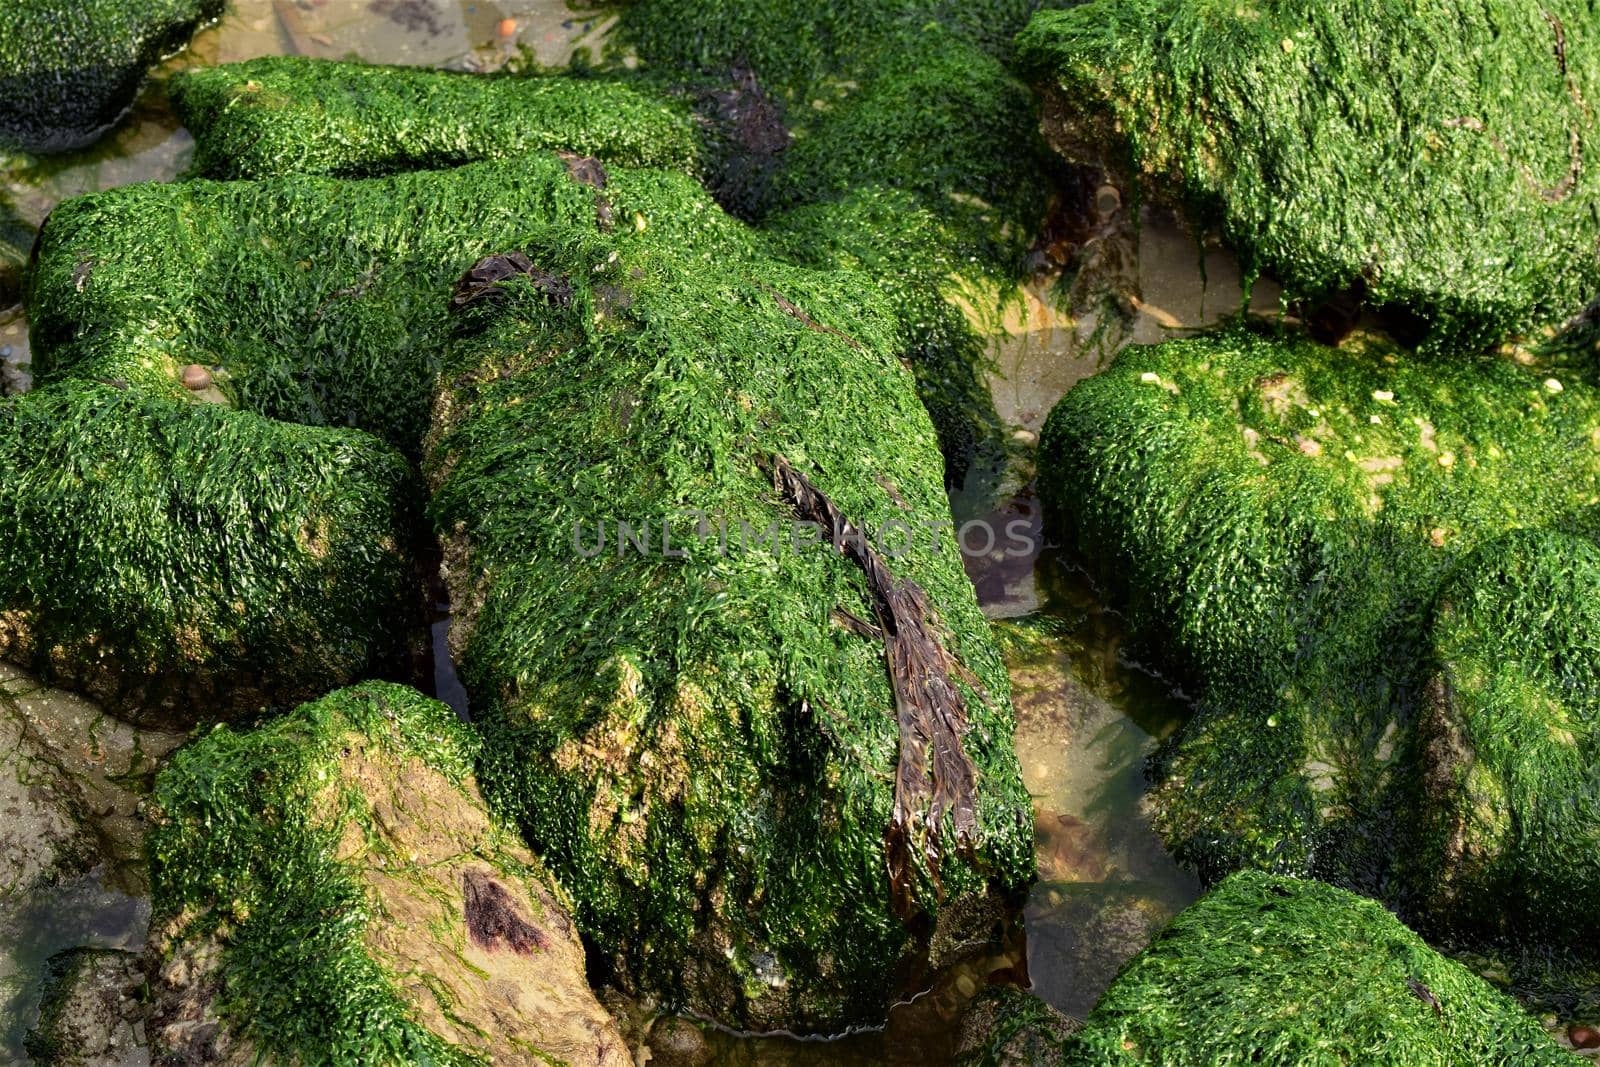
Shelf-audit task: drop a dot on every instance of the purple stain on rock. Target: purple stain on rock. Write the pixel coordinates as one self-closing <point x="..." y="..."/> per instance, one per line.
<point x="492" y="918"/>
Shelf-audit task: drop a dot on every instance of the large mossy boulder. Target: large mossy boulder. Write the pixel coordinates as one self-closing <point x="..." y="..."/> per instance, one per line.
<point x="329" y="888"/>
<point x="285" y="115"/>
<point x="1429" y="156"/>
<point x="766" y="769"/>
<point x="1281" y="516"/>
<point x="69" y="69"/>
<point x="1511" y="732"/>
<point x="1274" y="970"/>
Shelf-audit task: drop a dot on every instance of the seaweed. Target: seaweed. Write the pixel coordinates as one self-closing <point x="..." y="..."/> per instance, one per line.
<point x="934" y="776"/>
<point x="1428" y="158"/>
<point x="1510" y="727"/>
<point x="1266" y="969"/>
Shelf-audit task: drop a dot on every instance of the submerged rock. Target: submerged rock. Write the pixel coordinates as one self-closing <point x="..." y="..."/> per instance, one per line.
<point x="1281" y="517"/>
<point x="753" y="759"/>
<point x="331" y="886"/>
<point x="83" y="765"/>
<point x="1007" y="1027"/>
<point x="90" y="1014"/>
<point x="1511" y="739"/>
<point x="1427" y="156"/>
<point x="69" y="69"/>
<point x="43" y="829"/>
<point x="1281" y="971"/>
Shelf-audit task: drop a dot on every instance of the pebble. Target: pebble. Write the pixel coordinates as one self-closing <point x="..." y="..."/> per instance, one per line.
<point x="678" y="1042"/>
<point x="1107" y="199"/>
<point x="508" y="27"/>
<point x="1553" y="384"/>
<point x="5" y="351"/>
<point x="196" y="377"/>
<point x="1583" y="1036"/>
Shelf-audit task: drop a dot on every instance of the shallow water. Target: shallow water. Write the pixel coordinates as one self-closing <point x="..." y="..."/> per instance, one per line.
<point x="1088" y="714"/>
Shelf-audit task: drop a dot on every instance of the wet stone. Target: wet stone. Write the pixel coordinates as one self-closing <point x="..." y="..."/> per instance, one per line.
<point x="90" y="1013"/>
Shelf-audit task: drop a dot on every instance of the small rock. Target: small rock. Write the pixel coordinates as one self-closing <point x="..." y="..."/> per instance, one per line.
<point x="508" y="28"/>
<point x="1107" y="199"/>
<point x="196" y="377"/>
<point x="90" y="1009"/>
<point x="677" y="1042"/>
<point x="1583" y="1036"/>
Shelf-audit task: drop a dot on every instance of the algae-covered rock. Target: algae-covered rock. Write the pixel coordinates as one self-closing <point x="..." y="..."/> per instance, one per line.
<point x="89" y="1013"/>
<point x="904" y="147"/>
<point x="179" y="560"/>
<point x="190" y="558"/>
<point x="699" y="728"/>
<point x="286" y="115"/>
<point x="1431" y="156"/>
<point x="931" y="179"/>
<point x="1280" y="517"/>
<point x="1511" y="729"/>
<point x="1007" y="1027"/>
<point x="307" y="299"/>
<point x="69" y="69"/>
<point x="1274" y="970"/>
<point x="329" y="888"/>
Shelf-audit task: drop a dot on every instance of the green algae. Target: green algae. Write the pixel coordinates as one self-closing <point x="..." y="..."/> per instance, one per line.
<point x="285" y="847"/>
<point x="801" y="50"/>
<point x="923" y="167"/>
<point x="698" y="744"/>
<point x="1280" y="517"/>
<point x="168" y="557"/>
<point x="313" y="300"/>
<point x="1007" y="1027"/>
<point x="68" y="71"/>
<point x="1266" y="969"/>
<point x="930" y="178"/>
<point x="1511" y="732"/>
<point x="1429" y="156"/>
<point x="285" y="115"/>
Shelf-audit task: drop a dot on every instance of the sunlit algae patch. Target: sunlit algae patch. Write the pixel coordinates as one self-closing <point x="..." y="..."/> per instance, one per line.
<point x="924" y="169"/>
<point x="1431" y="156"/>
